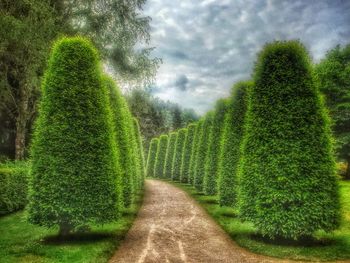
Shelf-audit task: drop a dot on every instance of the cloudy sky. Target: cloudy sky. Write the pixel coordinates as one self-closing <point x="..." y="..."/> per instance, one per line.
<point x="208" y="45"/>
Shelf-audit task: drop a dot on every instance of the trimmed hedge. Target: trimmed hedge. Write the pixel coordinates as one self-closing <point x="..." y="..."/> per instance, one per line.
<point x="230" y="144"/>
<point x="160" y="156"/>
<point x="194" y="151"/>
<point x="13" y="187"/>
<point x="120" y="118"/>
<point x="179" y="149"/>
<point x="186" y="157"/>
<point x="288" y="185"/>
<point x="75" y="174"/>
<point x="151" y="159"/>
<point x="140" y="152"/>
<point x="169" y="155"/>
<point x="212" y="158"/>
<point x="203" y="148"/>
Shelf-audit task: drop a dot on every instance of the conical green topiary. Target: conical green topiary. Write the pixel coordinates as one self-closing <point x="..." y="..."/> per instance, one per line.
<point x="186" y="157"/>
<point x="179" y="149"/>
<point x="288" y="186"/>
<point x="230" y="144"/>
<point x="120" y="119"/>
<point x="160" y="156"/>
<point x="75" y="175"/>
<point x="194" y="151"/>
<point x="212" y="158"/>
<point x="151" y="159"/>
<point x="169" y="155"/>
<point x="202" y="152"/>
<point x="137" y="158"/>
<point x="140" y="151"/>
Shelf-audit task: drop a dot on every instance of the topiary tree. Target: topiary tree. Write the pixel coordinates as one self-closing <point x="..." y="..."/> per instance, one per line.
<point x="140" y="151"/>
<point x="120" y="118"/>
<point x="137" y="182"/>
<point x="75" y="174"/>
<point x="230" y="144"/>
<point x="212" y="158"/>
<point x="186" y="157"/>
<point x="169" y="155"/>
<point x="288" y="186"/>
<point x="160" y="156"/>
<point x="194" y="151"/>
<point x="151" y="159"/>
<point x="179" y="149"/>
<point x="202" y="151"/>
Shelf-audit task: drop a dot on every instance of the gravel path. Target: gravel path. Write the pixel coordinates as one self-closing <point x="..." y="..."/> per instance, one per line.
<point x="172" y="227"/>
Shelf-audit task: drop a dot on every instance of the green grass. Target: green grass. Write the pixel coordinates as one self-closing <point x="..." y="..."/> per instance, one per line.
<point x="325" y="247"/>
<point x="23" y="242"/>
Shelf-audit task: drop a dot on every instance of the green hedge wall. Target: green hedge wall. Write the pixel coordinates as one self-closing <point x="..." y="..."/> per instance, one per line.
<point x="140" y="152"/>
<point x="186" y="157"/>
<point x="212" y="158"/>
<point x="169" y="155"/>
<point x="288" y="186"/>
<point x="179" y="149"/>
<point x="230" y="144"/>
<point x="194" y="151"/>
<point x="151" y="159"/>
<point x="160" y="156"/>
<point x="75" y="174"/>
<point x="203" y="147"/>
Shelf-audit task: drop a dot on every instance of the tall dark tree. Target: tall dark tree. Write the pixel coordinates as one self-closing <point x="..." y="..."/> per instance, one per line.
<point x="333" y="75"/>
<point x="288" y="185"/>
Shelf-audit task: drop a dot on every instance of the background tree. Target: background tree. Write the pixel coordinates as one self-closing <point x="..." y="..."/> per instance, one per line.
<point x="212" y="158"/>
<point x="186" y="157"/>
<point x="160" y="156"/>
<point x="74" y="164"/>
<point x="179" y="149"/>
<point x="169" y="155"/>
<point x="288" y="186"/>
<point x="333" y="74"/>
<point x="151" y="158"/>
<point x="203" y="147"/>
<point x="230" y="144"/>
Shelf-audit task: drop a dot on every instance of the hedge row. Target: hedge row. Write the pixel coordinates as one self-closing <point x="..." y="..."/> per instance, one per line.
<point x="86" y="149"/>
<point x="267" y="149"/>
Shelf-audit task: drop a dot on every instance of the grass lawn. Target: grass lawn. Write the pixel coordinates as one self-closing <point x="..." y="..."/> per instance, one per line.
<point x="23" y="242"/>
<point x="326" y="247"/>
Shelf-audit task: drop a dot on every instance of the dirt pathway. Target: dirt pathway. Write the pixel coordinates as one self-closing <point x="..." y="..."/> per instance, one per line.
<point x="171" y="227"/>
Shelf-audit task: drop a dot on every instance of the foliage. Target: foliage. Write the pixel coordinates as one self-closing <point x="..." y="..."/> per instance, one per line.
<point x="186" y="157"/>
<point x="288" y="186"/>
<point x="194" y="151"/>
<point x="230" y="144"/>
<point x="169" y="155"/>
<point x="179" y="149"/>
<point x="151" y="159"/>
<point x="140" y="151"/>
<point x="13" y="186"/>
<point x="120" y="120"/>
<point x="203" y="148"/>
<point x="212" y="158"/>
<point x="160" y="156"/>
<point x="75" y="175"/>
<point x="333" y="75"/>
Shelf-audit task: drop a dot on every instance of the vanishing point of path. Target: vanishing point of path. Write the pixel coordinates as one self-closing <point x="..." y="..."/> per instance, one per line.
<point x="172" y="227"/>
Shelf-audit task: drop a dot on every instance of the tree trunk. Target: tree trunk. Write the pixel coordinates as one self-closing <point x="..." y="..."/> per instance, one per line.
<point x="347" y="173"/>
<point x="65" y="230"/>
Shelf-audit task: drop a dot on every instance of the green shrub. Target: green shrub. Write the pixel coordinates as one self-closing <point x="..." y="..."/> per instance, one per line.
<point x="160" y="156"/>
<point x="230" y="144"/>
<point x="203" y="147"/>
<point x="186" y="157"/>
<point x="194" y="151"/>
<point x="169" y="155"/>
<point x="140" y="152"/>
<point x="120" y="120"/>
<point x="212" y="158"/>
<point x="151" y="159"/>
<point x="288" y="186"/>
<point x="75" y="174"/>
<point x="179" y="149"/>
<point x="13" y="187"/>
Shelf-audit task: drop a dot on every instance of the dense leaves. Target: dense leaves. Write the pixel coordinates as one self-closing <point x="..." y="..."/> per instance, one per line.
<point x="160" y="156"/>
<point x="151" y="159"/>
<point x="169" y="155"/>
<point x="194" y="151"/>
<point x="178" y="152"/>
<point x="186" y="157"/>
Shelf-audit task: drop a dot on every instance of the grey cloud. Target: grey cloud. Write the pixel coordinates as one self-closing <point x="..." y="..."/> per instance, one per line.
<point x="181" y="82"/>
